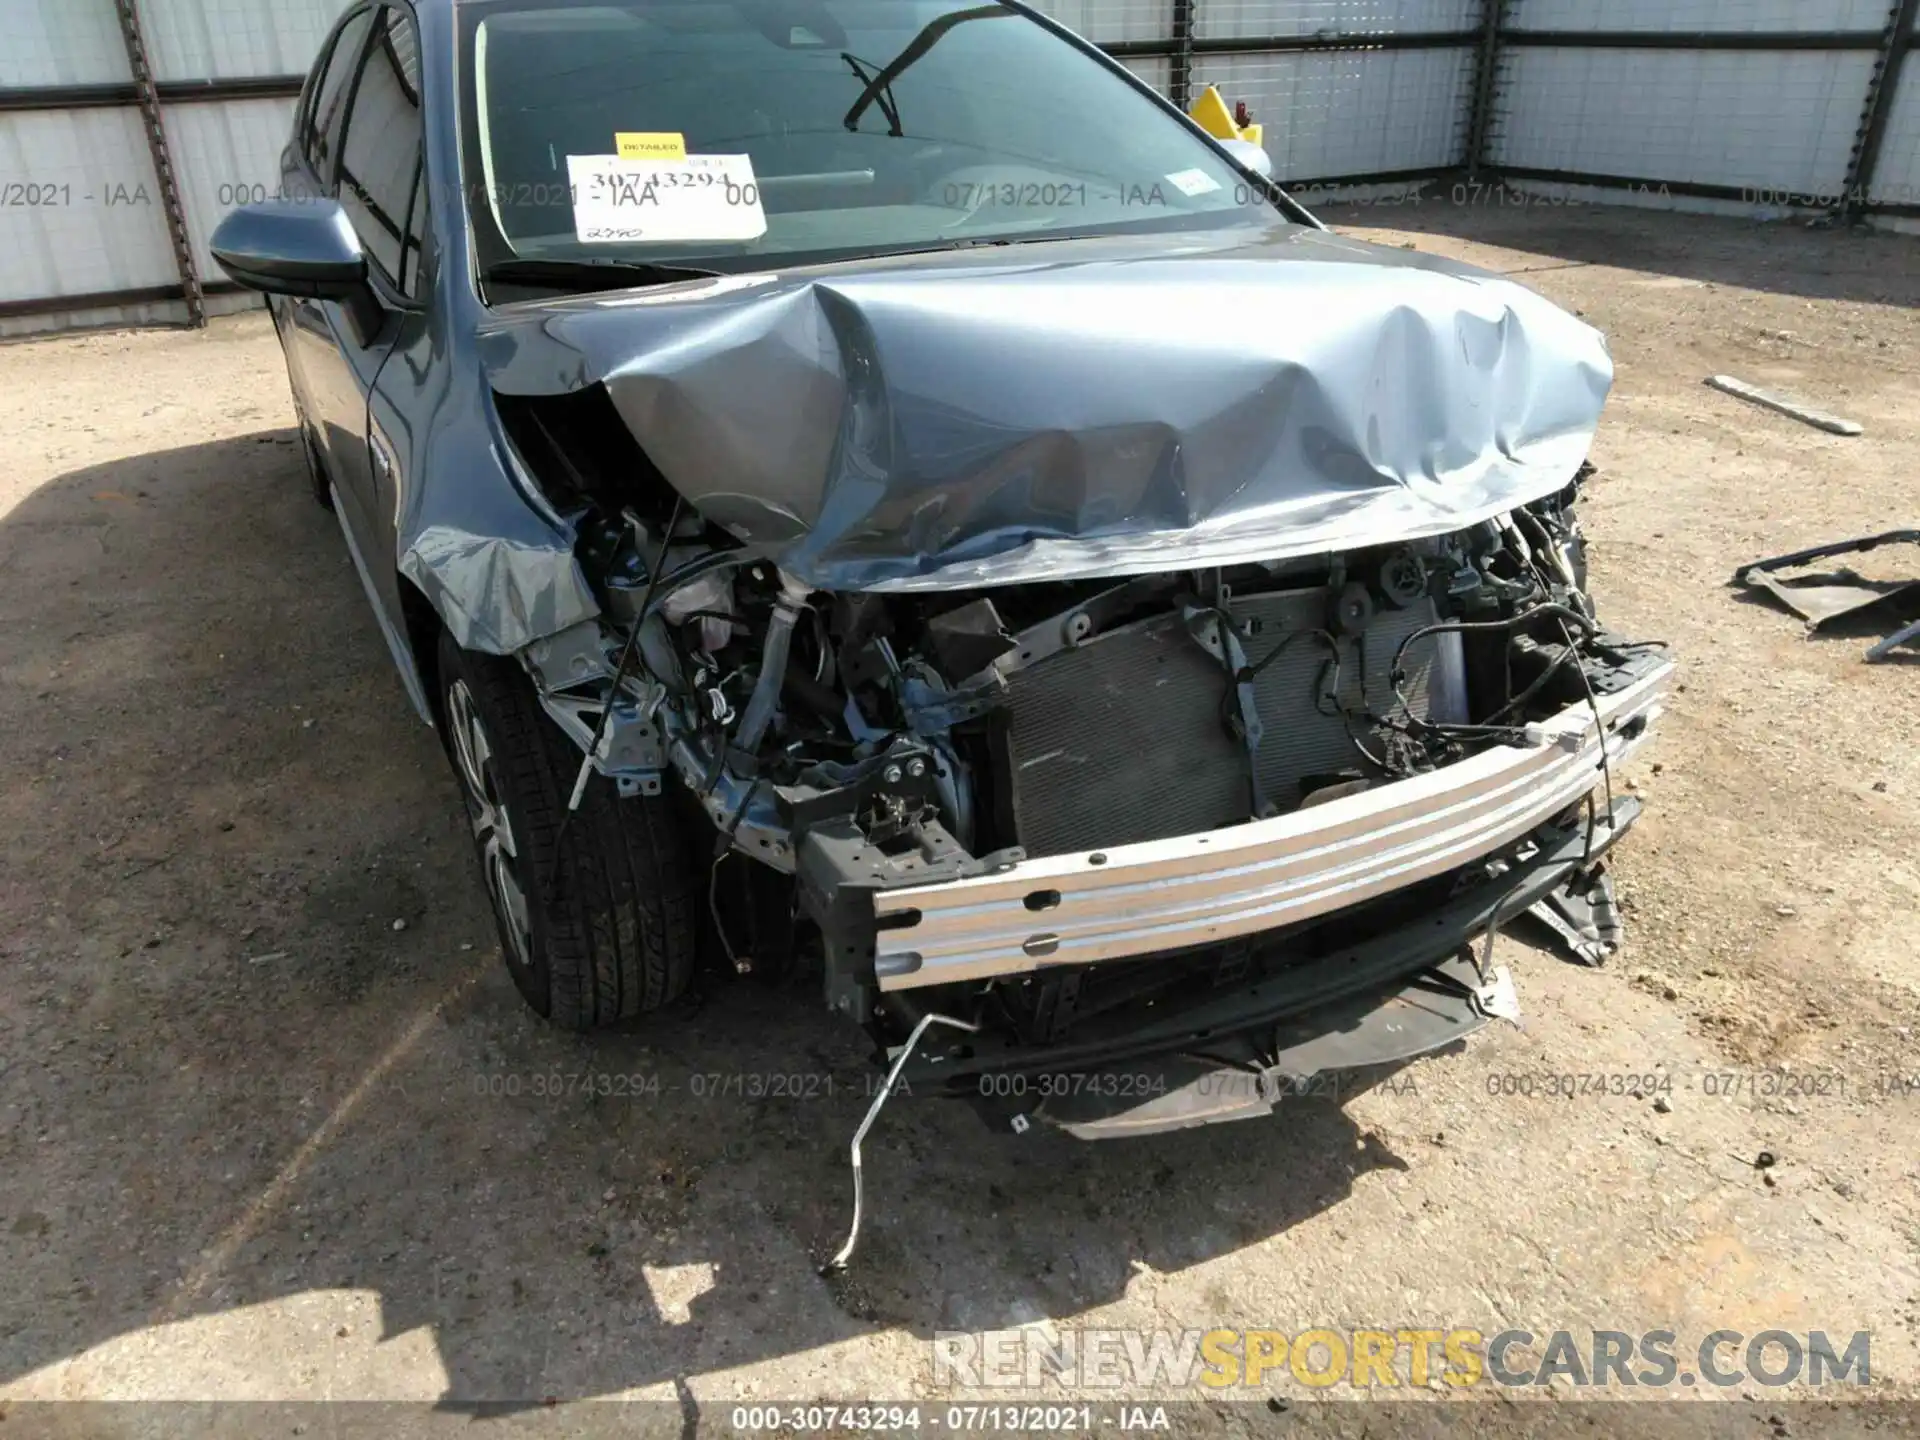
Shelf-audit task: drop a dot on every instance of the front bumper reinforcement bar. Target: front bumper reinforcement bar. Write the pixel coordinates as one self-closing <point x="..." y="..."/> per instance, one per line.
<point x="1166" y="895"/>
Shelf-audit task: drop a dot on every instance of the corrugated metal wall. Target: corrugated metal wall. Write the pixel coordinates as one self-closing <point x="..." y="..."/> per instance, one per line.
<point x="227" y="154"/>
<point x="1109" y="22"/>
<point x="1899" y="178"/>
<point x="1772" y="122"/>
<point x="1332" y="113"/>
<point x="1344" y="113"/>
<point x="1896" y="179"/>
<point x="1736" y="103"/>
<point x="74" y="42"/>
<point x="82" y="214"/>
<point x="233" y="39"/>
<point x="1632" y="89"/>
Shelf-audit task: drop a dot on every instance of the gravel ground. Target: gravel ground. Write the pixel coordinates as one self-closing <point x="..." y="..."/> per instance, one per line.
<point x="268" y="1121"/>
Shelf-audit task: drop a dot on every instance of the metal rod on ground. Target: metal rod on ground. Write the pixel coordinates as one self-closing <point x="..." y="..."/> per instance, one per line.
<point x="1908" y="636"/>
<point x="839" y="1261"/>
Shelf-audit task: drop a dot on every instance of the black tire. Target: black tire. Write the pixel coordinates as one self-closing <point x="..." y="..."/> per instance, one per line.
<point x="611" y="930"/>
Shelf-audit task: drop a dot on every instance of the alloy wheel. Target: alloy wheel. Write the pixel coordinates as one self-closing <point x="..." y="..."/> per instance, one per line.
<point x="492" y="825"/>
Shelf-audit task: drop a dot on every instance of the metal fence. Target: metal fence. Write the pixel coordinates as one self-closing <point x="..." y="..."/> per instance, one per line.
<point x="126" y="131"/>
<point x="128" y="127"/>
<point x="1768" y="104"/>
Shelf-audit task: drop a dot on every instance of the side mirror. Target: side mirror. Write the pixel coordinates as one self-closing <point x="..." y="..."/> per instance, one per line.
<point x="1249" y="156"/>
<point x="305" y="248"/>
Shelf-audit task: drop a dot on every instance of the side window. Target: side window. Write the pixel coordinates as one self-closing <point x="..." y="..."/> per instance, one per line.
<point x="309" y="95"/>
<point x="380" y="156"/>
<point x="321" y="142"/>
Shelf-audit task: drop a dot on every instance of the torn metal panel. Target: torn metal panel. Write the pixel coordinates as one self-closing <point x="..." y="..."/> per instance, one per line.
<point x="496" y="595"/>
<point x="1583" y="913"/>
<point x="573" y="674"/>
<point x="1348" y="1042"/>
<point x="1822" y="599"/>
<point x="1107" y="406"/>
<point x="1825" y="598"/>
<point x="475" y="532"/>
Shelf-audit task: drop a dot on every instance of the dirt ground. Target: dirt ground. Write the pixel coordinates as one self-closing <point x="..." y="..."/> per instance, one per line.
<point x="268" y="1127"/>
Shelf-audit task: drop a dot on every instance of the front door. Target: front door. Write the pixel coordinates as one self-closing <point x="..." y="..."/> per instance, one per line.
<point x="364" y="149"/>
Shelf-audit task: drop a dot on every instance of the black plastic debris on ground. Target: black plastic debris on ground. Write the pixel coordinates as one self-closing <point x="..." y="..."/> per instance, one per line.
<point x="1827" y="598"/>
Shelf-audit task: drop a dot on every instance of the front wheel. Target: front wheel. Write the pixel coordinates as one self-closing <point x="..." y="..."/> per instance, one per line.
<point x="598" y="925"/>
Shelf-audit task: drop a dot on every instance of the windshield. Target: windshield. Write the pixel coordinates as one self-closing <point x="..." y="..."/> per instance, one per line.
<point x="728" y="135"/>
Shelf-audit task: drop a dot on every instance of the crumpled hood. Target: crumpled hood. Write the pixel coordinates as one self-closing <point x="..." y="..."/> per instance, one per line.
<point x="1110" y="406"/>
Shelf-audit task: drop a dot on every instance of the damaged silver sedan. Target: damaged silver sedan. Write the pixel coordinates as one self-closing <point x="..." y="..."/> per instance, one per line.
<point x="868" y="492"/>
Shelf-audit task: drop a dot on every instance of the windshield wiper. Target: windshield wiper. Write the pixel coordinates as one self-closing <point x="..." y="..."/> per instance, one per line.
<point x="591" y="274"/>
<point x="928" y="37"/>
<point x="883" y="92"/>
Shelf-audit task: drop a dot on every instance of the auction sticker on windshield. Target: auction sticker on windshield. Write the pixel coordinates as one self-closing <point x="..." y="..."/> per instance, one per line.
<point x="618" y="200"/>
<point x="650" y="145"/>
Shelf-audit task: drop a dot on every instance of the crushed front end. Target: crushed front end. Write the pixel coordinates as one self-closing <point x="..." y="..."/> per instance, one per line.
<point x="1155" y="849"/>
<point x="1132" y="650"/>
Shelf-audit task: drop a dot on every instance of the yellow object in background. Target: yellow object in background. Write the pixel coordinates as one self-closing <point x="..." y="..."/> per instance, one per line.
<point x="1211" y="111"/>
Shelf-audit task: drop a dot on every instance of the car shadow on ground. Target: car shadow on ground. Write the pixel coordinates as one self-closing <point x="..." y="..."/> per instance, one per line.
<point x="1786" y="257"/>
<point x="256" y="1041"/>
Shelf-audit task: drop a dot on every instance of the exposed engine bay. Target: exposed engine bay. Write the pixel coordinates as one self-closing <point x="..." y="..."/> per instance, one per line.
<point x="850" y="749"/>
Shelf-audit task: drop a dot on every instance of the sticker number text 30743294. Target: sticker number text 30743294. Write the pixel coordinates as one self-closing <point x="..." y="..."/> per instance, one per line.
<point x="703" y="197"/>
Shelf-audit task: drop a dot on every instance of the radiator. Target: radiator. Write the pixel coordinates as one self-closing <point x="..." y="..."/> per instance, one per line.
<point x="1121" y="740"/>
<point x="1298" y="740"/>
<point x="1124" y="738"/>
